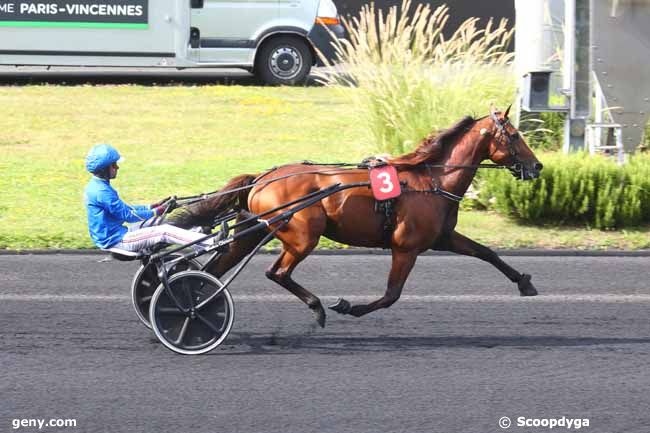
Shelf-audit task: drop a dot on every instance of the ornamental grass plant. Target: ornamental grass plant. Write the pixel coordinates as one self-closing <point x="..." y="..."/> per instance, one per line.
<point x="407" y="80"/>
<point x="575" y="189"/>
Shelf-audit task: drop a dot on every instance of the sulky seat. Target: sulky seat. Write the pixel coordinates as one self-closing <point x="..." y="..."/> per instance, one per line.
<point x="126" y="256"/>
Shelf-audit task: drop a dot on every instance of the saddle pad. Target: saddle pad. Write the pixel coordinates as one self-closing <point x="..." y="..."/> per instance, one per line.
<point x="384" y="182"/>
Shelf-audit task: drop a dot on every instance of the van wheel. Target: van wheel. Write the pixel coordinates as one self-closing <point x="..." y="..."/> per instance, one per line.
<point x="283" y="61"/>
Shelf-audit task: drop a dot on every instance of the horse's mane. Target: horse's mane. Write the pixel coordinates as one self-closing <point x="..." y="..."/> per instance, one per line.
<point x="432" y="148"/>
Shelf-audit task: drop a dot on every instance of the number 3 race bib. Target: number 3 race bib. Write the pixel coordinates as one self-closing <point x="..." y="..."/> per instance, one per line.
<point x="384" y="182"/>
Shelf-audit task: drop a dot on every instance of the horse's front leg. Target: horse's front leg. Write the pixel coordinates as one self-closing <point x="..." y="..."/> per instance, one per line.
<point x="460" y="244"/>
<point x="401" y="267"/>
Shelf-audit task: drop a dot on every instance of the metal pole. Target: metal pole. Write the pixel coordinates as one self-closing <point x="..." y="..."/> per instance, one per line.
<point x="577" y="71"/>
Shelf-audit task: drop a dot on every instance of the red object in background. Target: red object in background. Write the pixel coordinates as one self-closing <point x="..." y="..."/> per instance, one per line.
<point x="384" y="182"/>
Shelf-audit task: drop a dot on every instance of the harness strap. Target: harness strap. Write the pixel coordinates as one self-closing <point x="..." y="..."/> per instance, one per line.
<point x="438" y="191"/>
<point x="447" y="194"/>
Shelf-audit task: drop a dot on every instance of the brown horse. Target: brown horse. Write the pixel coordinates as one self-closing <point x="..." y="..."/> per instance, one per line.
<point x="435" y="175"/>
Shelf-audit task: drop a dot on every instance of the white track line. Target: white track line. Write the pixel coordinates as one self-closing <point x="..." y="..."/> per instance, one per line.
<point x="605" y="297"/>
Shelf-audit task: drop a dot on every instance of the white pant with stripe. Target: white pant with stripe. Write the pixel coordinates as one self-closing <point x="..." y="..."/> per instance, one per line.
<point x="140" y="237"/>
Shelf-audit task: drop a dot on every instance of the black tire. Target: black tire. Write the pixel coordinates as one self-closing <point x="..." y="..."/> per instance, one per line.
<point x="146" y="282"/>
<point x="209" y="317"/>
<point x="285" y="60"/>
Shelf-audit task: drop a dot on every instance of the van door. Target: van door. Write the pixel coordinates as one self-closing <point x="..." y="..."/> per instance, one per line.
<point x="232" y="23"/>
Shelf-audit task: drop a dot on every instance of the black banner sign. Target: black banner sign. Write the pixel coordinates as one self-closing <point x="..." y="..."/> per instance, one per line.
<point x="74" y="13"/>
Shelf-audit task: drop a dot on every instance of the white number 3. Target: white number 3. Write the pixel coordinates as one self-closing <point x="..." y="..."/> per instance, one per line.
<point x="387" y="184"/>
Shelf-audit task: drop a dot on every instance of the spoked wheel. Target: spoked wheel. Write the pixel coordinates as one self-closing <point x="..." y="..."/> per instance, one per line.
<point x="146" y="282"/>
<point x="201" y="323"/>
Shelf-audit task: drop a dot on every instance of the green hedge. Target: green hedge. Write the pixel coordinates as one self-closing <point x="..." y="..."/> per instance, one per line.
<point x="543" y="131"/>
<point x="575" y="189"/>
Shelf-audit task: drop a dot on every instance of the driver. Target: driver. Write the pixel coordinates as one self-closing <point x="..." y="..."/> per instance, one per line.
<point x="107" y="213"/>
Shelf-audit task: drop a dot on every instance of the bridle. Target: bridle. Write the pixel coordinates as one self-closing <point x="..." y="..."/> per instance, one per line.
<point x="501" y="136"/>
<point x="509" y="139"/>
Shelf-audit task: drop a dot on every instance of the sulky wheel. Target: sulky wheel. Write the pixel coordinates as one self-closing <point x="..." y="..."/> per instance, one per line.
<point x="146" y="282"/>
<point x="203" y="325"/>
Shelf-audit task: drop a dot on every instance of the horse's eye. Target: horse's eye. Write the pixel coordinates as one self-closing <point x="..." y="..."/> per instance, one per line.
<point x="515" y="136"/>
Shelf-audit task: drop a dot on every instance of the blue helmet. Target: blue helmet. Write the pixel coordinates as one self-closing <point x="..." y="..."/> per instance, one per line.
<point x="100" y="157"/>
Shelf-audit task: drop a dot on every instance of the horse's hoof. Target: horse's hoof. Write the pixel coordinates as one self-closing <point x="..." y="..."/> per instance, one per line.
<point x="319" y="314"/>
<point x="526" y="288"/>
<point x="341" y="306"/>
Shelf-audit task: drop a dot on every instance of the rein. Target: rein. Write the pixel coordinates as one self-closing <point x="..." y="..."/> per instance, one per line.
<point x="176" y="202"/>
<point x="509" y="167"/>
<point x="217" y="193"/>
<point x="188" y="200"/>
<point x="363" y="165"/>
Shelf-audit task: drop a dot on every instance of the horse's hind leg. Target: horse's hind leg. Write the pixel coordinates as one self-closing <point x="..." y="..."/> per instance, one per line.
<point x="281" y="270"/>
<point x="460" y="244"/>
<point x="403" y="262"/>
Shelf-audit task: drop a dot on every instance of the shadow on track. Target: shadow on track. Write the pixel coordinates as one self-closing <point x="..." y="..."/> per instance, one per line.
<point x="271" y="344"/>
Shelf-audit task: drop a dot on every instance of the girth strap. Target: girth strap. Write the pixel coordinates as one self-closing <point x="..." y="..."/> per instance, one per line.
<point x="387" y="208"/>
<point x="447" y="194"/>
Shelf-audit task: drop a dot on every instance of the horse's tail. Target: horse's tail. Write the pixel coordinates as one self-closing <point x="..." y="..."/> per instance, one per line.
<point x="233" y="196"/>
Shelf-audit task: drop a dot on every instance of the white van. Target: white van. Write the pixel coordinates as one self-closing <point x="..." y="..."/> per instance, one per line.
<point x="275" y="39"/>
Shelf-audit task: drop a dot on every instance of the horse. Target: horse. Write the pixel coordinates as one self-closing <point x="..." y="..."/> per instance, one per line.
<point x="436" y="175"/>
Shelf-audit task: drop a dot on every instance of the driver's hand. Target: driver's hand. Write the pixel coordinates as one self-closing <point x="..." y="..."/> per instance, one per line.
<point x="159" y="203"/>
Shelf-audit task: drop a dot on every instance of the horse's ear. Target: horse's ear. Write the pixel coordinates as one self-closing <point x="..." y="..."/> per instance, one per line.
<point x="505" y="116"/>
<point x="493" y="113"/>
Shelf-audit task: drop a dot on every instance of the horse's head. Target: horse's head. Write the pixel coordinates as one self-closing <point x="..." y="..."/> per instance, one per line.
<point x="507" y="147"/>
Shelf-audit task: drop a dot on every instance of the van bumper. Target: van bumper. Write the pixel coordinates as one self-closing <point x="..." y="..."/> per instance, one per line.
<point x="321" y="37"/>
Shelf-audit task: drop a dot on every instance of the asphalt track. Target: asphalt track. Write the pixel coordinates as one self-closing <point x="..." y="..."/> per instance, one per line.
<point x="459" y="351"/>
